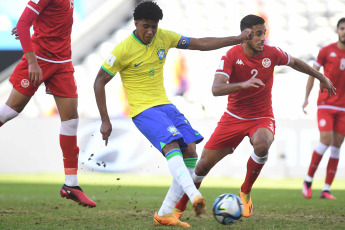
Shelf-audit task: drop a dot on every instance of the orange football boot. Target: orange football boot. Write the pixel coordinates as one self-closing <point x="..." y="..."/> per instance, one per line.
<point x="169" y="219"/>
<point x="199" y="205"/>
<point x="247" y="204"/>
<point x="178" y="213"/>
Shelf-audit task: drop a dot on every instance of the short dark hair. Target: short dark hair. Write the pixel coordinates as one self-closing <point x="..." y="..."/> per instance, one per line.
<point x="251" y="20"/>
<point x="148" y="10"/>
<point x="342" y="20"/>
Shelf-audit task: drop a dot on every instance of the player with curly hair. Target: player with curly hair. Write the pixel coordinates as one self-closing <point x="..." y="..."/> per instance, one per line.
<point x="140" y="59"/>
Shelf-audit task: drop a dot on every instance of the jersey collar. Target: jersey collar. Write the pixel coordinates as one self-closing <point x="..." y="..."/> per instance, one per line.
<point x="138" y="40"/>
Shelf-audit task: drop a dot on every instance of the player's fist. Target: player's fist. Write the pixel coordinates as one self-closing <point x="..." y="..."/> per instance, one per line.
<point x="246" y="35"/>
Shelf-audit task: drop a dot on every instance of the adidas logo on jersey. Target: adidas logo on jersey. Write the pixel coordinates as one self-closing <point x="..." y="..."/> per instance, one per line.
<point x="333" y="54"/>
<point x="239" y="62"/>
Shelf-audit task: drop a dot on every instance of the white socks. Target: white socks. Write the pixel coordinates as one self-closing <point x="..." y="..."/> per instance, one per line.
<point x="308" y="179"/>
<point x="321" y="148"/>
<point x="326" y="187"/>
<point x="71" y="180"/>
<point x="259" y="160"/>
<point x="335" y="152"/>
<point x="173" y="196"/>
<point x="70" y="127"/>
<point x="180" y="173"/>
<point x="182" y="182"/>
<point x="7" y="113"/>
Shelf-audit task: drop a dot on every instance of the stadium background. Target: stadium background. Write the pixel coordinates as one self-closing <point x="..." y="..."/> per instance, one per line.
<point x="29" y="144"/>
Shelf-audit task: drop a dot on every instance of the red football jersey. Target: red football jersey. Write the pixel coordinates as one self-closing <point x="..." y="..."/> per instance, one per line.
<point x="333" y="61"/>
<point x="238" y="67"/>
<point x="52" y="29"/>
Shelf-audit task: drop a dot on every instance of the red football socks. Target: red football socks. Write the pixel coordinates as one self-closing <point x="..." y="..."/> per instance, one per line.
<point x="331" y="170"/>
<point x="315" y="161"/>
<point x="70" y="153"/>
<point x="253" y="171"/>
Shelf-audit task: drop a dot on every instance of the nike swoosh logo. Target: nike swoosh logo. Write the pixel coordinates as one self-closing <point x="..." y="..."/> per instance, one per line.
<point x="136" y="65"/>
<point x="197" y="134"/>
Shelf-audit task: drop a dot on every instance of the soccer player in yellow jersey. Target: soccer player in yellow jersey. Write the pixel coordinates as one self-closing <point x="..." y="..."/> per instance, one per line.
<point x="140" y="59"/>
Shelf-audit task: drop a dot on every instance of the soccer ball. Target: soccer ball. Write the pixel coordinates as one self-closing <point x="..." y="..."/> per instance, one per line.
<point x="227" y="208"/>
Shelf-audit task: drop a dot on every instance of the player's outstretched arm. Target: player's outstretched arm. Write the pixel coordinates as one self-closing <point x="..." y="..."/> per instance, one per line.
<point x="308" y="89"/>
<point x="221" y="86"/>
<point x="99" y="87"/>
<point x="303" y="67"/>
<point x="212" y="43"/>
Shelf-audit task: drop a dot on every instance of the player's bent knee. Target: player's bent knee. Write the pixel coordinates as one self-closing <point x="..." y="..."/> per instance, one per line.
<point x="261" y="149"/>
<point x="201" y="170"/>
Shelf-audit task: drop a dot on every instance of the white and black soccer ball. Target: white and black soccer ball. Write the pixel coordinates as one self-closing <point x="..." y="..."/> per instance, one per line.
<point x="227" y="208"/>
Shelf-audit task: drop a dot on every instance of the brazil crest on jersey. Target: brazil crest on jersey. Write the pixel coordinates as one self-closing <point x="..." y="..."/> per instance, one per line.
<point x="141" y="68"/>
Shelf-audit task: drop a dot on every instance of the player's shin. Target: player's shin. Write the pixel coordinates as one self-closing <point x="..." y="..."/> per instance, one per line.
<point x="6" y="114"/>
<point x="254" y="166"/>
<point x="190" y="164"/>
<point x="181" y="205"/>
<point x="183" y="202"/>
<point x="174" y="194"/>
<point x="332" y="164"/>
<point x="70" y="150"/>
<point x="180" y="172"/>
<point x="315" y="160"/>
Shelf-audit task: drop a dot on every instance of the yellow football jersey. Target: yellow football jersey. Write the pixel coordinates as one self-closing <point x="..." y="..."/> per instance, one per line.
<point x="141" y="68"/>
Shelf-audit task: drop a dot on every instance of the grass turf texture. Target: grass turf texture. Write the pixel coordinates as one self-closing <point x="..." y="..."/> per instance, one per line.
<point x="129" y="202"/>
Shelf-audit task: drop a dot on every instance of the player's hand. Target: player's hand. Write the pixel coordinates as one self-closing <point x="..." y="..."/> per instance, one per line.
<point x="15" y="33"/>
<point x="304" y="106"/>
<point x="252" y="83"/>
<point x="325" y="83"/>
<point x="35" y="73"/>
<point x="106" y="129"/>
<point x="246" y="35"/>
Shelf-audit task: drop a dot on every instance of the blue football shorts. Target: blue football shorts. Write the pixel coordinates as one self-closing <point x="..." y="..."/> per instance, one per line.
<point x="163" y="124"/>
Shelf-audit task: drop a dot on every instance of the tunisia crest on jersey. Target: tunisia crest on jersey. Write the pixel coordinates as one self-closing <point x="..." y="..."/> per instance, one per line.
<point x="266" y="62"/>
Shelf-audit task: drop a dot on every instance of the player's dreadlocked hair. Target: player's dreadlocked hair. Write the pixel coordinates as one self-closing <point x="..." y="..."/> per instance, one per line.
<point x="342" y="20"/>
<point x="148" y="10"/>
<point x="251" y="20"/>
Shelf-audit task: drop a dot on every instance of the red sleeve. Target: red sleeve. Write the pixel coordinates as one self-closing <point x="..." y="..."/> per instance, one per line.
<point x="283" y="58"/>
<point x="38" y="5"/>
<point x="23" y="28"/>
<point x="321" y="57"/>
<point x="225" y="65"/>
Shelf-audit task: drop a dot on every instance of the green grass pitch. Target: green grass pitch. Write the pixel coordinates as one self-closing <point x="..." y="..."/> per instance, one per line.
<point x="127" y="201"/>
